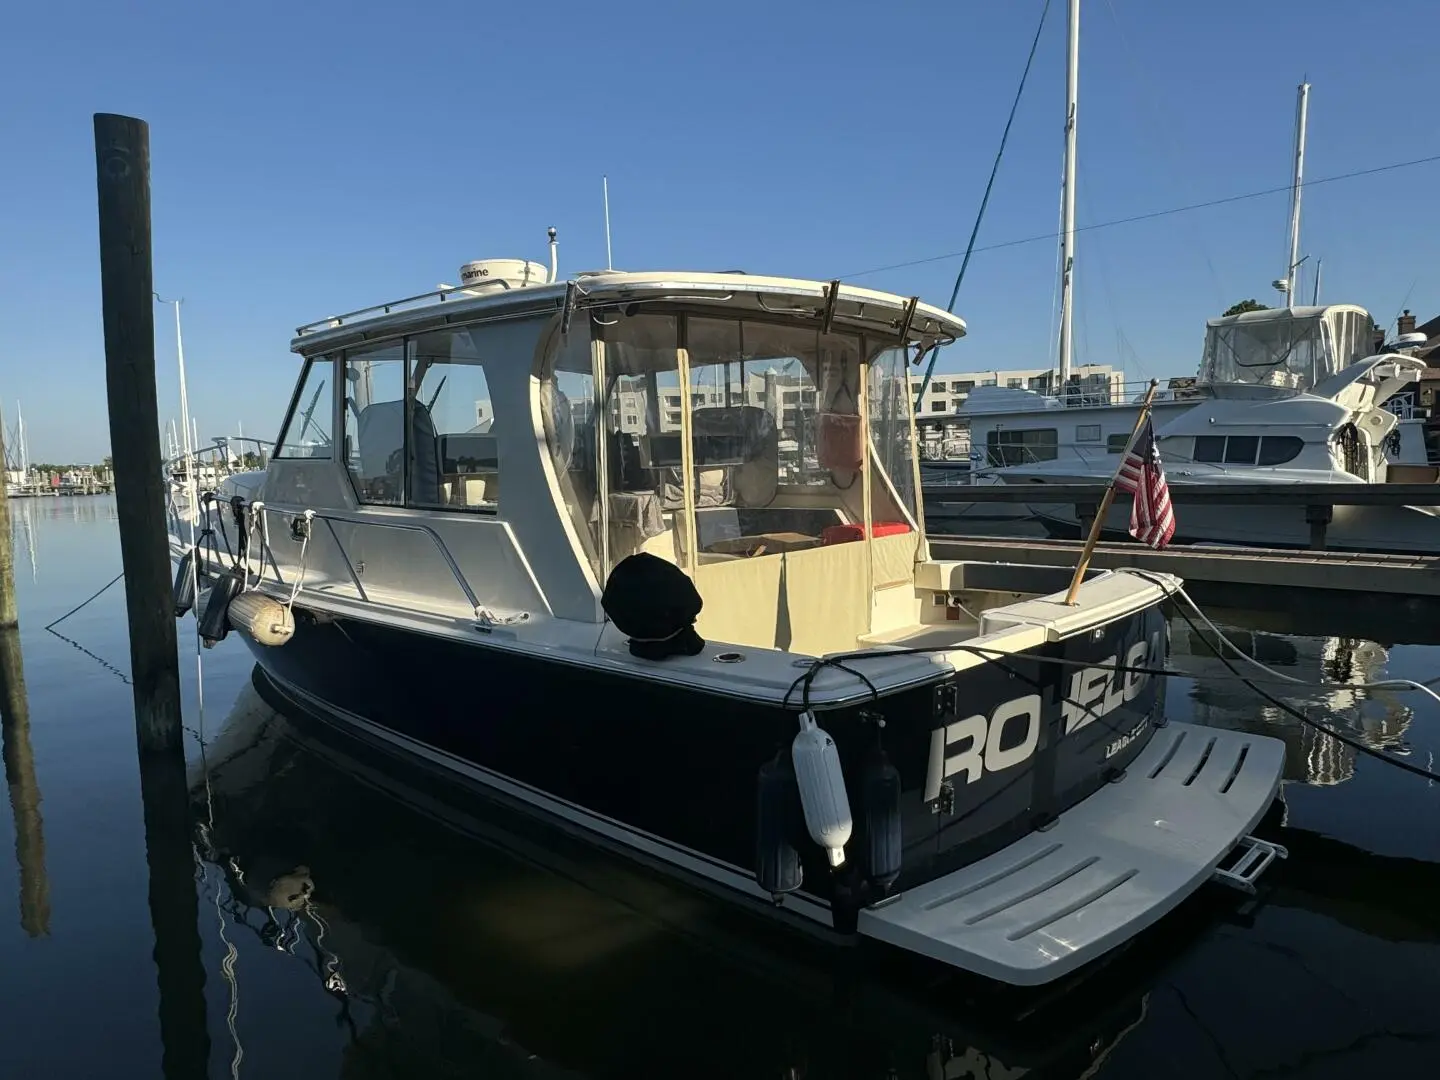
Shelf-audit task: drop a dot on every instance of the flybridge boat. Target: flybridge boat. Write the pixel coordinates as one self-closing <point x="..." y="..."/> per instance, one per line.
<point x="1289" y="396"/>
<point x="643" y="552"/>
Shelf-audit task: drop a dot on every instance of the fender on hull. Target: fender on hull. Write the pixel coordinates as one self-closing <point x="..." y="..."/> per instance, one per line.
<point x="983" y="756"/>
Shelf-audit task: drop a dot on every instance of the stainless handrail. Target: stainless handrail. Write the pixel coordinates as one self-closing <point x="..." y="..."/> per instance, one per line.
<point x="434" y="295"/>
<point x="329" y="518"/>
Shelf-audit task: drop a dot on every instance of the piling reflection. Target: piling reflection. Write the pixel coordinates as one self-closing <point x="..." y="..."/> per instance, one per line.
<point x="24" y="789"/>
<point x="174" y="914"/>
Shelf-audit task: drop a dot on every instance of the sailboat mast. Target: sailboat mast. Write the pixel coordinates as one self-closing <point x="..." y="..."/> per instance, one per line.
<point x="1292" y="267"/>
<point x="1067" y="205"/>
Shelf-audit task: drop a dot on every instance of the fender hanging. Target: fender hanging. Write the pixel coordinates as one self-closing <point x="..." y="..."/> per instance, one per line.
<point x="183" y="593"/>
<point x="880" y="806"/>
<point x="822" y="789"/>
<point x="214" y="623"/>
<point x="777" y="862"/>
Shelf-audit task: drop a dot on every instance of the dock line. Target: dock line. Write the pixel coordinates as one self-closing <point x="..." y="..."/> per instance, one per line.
<point x="77" y="607"/>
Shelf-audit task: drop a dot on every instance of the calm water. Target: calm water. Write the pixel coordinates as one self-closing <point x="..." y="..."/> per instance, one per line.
<point x="351" y="926"/>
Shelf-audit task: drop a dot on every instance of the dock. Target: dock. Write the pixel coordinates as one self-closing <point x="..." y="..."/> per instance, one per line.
<point x="1224" y="574"/>
<point x="1275" y="568"/>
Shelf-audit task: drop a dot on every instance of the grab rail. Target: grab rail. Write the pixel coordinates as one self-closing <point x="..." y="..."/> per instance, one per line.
<point x="436" y="296"/>
<point x="479" y="611"/>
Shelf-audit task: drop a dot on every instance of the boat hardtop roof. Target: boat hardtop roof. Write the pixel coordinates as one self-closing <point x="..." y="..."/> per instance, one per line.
<point x="851" y="306"/>
<point x="1286" y="314"/>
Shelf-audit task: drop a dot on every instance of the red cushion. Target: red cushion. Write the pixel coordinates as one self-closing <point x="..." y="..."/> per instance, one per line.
<point x="844" y="534"/>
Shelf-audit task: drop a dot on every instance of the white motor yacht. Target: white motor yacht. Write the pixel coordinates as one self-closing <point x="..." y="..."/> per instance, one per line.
<point x="1276" y="407"/>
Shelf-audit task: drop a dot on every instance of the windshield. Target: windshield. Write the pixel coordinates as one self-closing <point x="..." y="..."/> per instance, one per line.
<point x="1293" y="353"/>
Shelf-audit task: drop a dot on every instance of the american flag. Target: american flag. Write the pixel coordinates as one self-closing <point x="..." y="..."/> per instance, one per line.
<point x="1152" y="520"/>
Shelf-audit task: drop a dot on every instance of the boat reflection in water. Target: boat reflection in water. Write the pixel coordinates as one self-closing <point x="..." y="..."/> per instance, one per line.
<point x="453" y="933"/>
<point x="1333" y="670"/>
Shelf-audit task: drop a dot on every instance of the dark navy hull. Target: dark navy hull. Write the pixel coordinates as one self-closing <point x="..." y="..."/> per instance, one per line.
<point x="678" y="768"/>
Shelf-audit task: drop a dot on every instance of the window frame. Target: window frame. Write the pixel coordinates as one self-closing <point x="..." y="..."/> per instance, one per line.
<point x="1079" y="437"/>
<point x="1219" y="459"/>
<point x="996" y="443"/>
<point x="1232" y="441"/>
<point x="310" y="362"/>
<point x="1260" y="461"/>
<point x="406" y="342"/>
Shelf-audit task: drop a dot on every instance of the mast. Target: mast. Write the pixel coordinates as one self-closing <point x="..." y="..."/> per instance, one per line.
<point x="24" y="450"/>
<point x="1302" y="110"/>
<point x="1067" y="204"/>
<point x="605" y="189"/>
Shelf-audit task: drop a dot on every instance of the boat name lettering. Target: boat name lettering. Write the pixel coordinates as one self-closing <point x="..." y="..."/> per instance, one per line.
<point x="1010" y="734"/>
<point x="1098" y="691"/>
<point x="983" y="738"/>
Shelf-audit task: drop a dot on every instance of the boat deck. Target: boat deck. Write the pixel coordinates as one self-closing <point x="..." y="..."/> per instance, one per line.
<point x="1108" y="868"/>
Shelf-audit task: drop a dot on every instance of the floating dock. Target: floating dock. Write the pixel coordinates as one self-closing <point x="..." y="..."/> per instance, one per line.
<point x="1276" y="568"/>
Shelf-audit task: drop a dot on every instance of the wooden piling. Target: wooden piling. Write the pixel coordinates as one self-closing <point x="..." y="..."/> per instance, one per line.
<point x="122" y="172"/>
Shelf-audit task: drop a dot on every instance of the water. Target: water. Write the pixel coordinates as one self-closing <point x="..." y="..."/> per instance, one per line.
<point x="468" y="943"/>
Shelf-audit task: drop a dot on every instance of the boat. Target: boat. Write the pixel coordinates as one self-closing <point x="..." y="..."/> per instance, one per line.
<point x="1297" y="351"/>
<point x="518" y="918"/>
<point x="1291" y="398"/>
<point x="641" y="552"/>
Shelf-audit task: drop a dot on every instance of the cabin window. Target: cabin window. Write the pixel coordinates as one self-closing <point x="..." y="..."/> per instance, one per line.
<point x="892" y="469"/>
<point x="1021" y="446"/>
<point x="1087" y="433"/>
<point x="452" y="456"/>
<point x="307" y="428"/>
<point x="375" y="422"/>
<point x="1209" y="449"/>
<point x="568" y="415"/>
<point x="775" y="438"/>
<point x="1278" y="449"/>
<point x="1241" y="449"/>
<point x="1117" y="444"/>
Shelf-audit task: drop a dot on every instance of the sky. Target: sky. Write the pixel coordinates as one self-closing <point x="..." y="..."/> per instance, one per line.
<point x="314" y="158"/>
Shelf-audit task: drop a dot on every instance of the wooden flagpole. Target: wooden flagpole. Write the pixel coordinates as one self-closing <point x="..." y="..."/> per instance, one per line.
<point x="1108" y="498"/>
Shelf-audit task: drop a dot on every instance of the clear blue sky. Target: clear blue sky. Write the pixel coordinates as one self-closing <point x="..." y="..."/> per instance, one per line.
<point x="312" y="158"/>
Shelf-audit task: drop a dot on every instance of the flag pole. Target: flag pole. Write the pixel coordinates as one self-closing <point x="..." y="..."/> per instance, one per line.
<point x="1108" y="498"/>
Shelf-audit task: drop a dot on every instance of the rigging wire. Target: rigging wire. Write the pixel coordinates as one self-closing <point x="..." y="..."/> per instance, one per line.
<point x="985" y="199"/>
<point x="1154" y="214"/>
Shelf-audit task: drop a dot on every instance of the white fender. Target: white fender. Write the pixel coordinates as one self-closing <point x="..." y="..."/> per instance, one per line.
<point x="822" y="788"/>
<point x="267" y="621"/>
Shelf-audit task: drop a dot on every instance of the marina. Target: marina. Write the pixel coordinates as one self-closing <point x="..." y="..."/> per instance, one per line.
<point x="673" y="665"/>
<point x="464" y="938"/>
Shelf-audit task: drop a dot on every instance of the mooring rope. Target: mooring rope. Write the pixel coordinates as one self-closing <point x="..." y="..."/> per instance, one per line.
<point x="119" y="673"/>
<point x="93" y="597"/>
